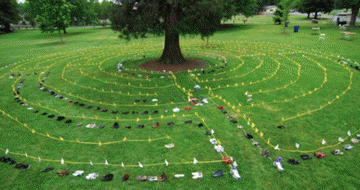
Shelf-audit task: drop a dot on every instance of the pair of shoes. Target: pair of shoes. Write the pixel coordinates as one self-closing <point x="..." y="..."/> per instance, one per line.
<point x="220" y="107"/>
<point x="18" y="165"/>
<point x="115" y="126"/>
<point x="114" y="111"/>
<point x="66" y="172"/>
<point x="152" y="178"/>
<point x="278" y="164"/>
<point x="320" y="155"/>
<point x="224" y="111"/>
<point x="207" y="133"/>
<point x="200" y="124"/>
<point x="104" y="110"/>
<point x="256" y="144"/>
<point x="347" y="147"/>
<point x="354" y="141"/>
<point x="51" y="116"/>
<point x="265" y="153"/>
<point x="79" y="124"/>
<point x="60" y="118"/>
<point x="197" y="175"/>
<point x="89" y="107"/>
<point x="170" y="124"/>
<point x="125" y="113"/>
<point x="81" y="105"/>
<point x="188" y="122"/>
<point x="145" y="112"/>
<point x="141" y="178"/>
<point x="45" y="114"/>
<point x="170" y="145"/>
<point x="156" y="125"/>
<point x="127" y="127"/>
<point x="155" y="112"/>
<point x="219" y="148"/>
<point x="97" y="108"/>
<point x="218" y="173"/>
<point x="235" y="173"/>
<point x="248" y="135"/>
<point x="187" y="108"/>
<point x="68" y="121"/>
<point x="337" y="152"/>
<point x="92" y="125"/>
<point x="162" y="178"/>
<point x="305" y="157"/>
<point x="293" y="162"/>
<point x="233" y="121"/>
<point x="47" y="169"/>
<point x="145" y="100"/>
<point x="281" y="127"/>
<point x="226" y="160"/>
<point x="78" y="173"/>
<point x="101" y="126"/>
<point x="135" y="112"/>
<point x="92" y="176"/>
<point x="213" y="141"/>
<point x="140" y="126"/>
<point x="108" y="177"/>
<point x="125" y="177"/>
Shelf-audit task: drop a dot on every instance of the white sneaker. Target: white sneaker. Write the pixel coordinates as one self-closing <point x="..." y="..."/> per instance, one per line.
<point x="176" y="109"/>
<point x="179" y="175"/>
<point x="92" y="125"/>
<point x="278" y="164"/>
<point x="235" y="173"/>
<point x="170" y="145"/>
<point x="152" y="178"/>
<point x="197" y="175"/>
<point x="92" y="176"/>
<point x="213" y="141"/>
<point x="219" y="148"/>
<point x="78" y="173"/>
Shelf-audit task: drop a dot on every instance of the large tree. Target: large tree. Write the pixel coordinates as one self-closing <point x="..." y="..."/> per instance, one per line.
<point x="8" y="13"/>
<point x="284" y="10"/>
<point x="353" y="4"/>
<point x="135" y="18"/>
<point x="103" y="10"/>
<point x="55" y="16"/>
<point x="310" y="6"/>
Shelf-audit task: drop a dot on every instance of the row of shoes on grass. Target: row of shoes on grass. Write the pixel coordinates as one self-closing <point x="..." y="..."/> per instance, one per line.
<point x="228" y="116"/>
<point x="356" y="67"/>
<point x="12" y="162"/>
<point x="116" y="125"/>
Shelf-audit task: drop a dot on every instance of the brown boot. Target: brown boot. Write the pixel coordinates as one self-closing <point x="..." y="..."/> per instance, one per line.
<point x="157" y="124"/>
<point x="66" y="172"/>
<point x="163" y="177"/>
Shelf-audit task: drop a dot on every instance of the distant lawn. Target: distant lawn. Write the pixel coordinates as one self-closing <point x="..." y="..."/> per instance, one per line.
<point x="295" y="80"/>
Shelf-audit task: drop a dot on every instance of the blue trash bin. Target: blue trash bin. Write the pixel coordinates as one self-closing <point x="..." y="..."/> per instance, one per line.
<point x="296" y="28"/>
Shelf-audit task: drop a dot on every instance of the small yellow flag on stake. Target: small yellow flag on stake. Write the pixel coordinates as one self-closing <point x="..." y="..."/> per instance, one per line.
<point x="256" y="130"/>
<point x="124" y="139"/>
<point x="137" y="119"/>
<point x="252" y="125"/>
<point x="261" y="134"/>
<point x="61" y="138"/>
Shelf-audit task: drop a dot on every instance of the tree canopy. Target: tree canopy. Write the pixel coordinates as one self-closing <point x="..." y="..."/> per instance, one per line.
<point x="310" y="6"/>
<point x="353" y="4"/>
<point x="55" y="15"/>
<point x="8" y="13"/>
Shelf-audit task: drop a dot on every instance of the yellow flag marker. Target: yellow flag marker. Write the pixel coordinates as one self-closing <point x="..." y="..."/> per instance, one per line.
<point x="61" y="138"/>
<point x="125" y="139"/>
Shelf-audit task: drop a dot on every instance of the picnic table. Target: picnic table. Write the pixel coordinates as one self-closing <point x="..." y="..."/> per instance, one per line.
<point x="348" y="35"/>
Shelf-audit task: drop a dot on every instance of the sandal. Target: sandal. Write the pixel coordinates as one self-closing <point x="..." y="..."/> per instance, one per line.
<point x="141" y="178"/>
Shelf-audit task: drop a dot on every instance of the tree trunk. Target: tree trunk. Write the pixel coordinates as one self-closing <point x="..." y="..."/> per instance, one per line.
<point x="316" y="13"/>
<point x="7" y="28"/>
<point x="172" y="52"/>
<point x="308" y="15"/>
<point x="60" y="36"/>
<point x="65" y="31"/>
<point x="354" y="13"/>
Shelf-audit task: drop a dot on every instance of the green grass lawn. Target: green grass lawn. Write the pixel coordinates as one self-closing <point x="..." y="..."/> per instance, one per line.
<point x="295" y="80"/>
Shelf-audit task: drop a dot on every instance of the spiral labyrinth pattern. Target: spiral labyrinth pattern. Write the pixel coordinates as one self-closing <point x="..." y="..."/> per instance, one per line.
<point x="259" y="85"/>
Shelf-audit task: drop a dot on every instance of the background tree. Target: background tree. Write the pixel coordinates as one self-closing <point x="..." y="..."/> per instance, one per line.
<point x="353" y="4"/>
<point x="103" y="10"/>
<point x="81" y="11"/>
<point x="55" y="16"/>
<point x="8" y="13"/>
<point x="286" y="6"/>
<point x="310" y="6"/>
<point x="169" y="17"/>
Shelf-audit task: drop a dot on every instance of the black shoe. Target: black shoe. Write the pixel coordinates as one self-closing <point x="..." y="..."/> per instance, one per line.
<point x="127" y="127"/>
<point x="26" y="167"/>
<point x="101" y="126"/>
<point x="107" y="177"/>
<point x="114" y="112"/>
<point x="293" y="162"/>
<point x="224" y="111"/>
<point x="170" y="124"/>
<point x="11" y="161"/>
<point x="60" y="118"/>
<point x="35" y="111"/>
<point x="155" y="112"/>
<point x="200" y="124"/>
<point x="233" y="120"/>
<point x="47" y="169"/>
<point x="145" y="100"/>
<point x="136" y="100"/>
<point x="135" y="112"/>
<point x="207" y="133"/>
<point x="89" y="107"/>
<point x="81" y="105"/>
<point x="3" y="159"/>
<point x="281" y="127"/>
<point x="76" y="103"/>
<point x="44" y="113"/>
<point x="140" y="126"/>
<point x="115" y="126"/>
<point x="145" y="112"/>
<point x="248" y="135"/>
<point x="97" y="108"/>
<point x="188" y="122"/>
<point x="305" y="157"/>
<point x="51" y="116"/>
<point x="68" y="121"/>
<point x="125" y="113"/>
